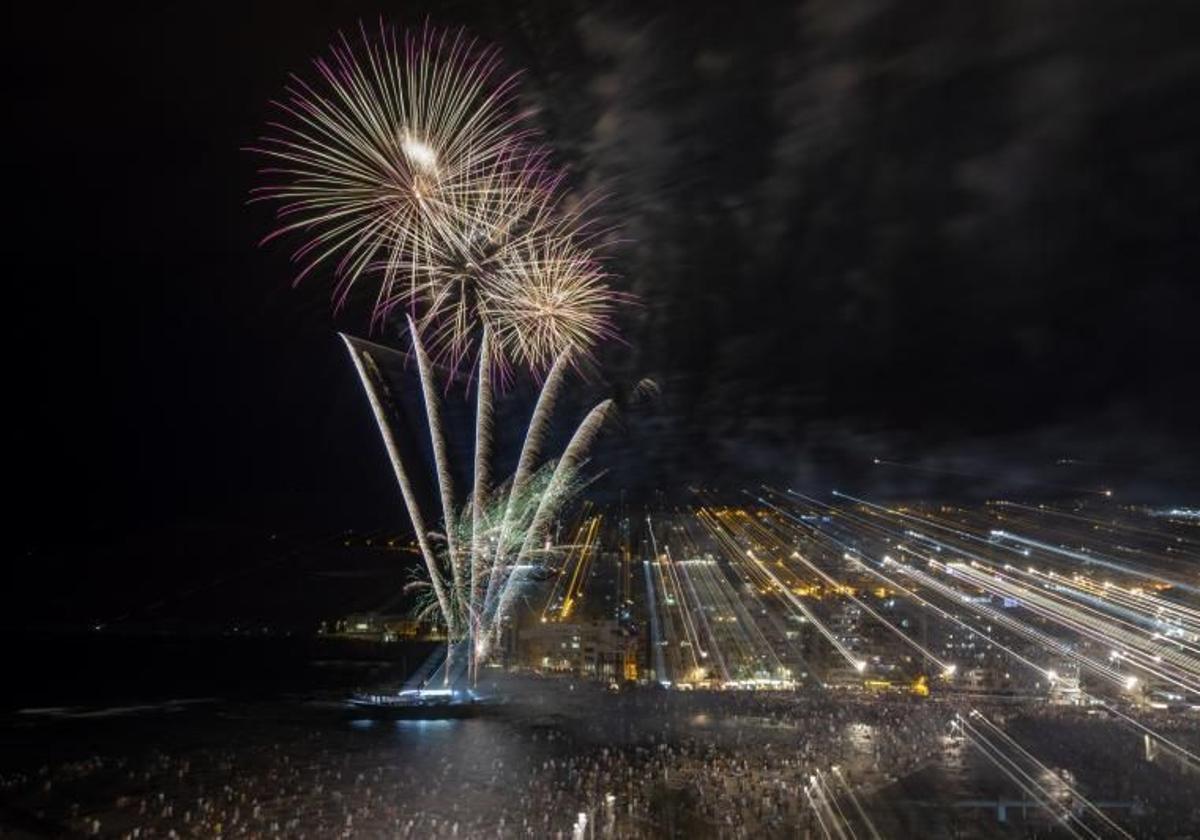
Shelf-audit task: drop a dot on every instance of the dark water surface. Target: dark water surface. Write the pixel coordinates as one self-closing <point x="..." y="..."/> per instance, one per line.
<point x="102" y="668"/>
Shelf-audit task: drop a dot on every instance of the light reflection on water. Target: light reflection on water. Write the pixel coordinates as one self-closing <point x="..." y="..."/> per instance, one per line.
<point x="420" y="725"/>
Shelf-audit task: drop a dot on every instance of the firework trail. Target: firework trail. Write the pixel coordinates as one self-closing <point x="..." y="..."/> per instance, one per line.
<point x="441" y="457"/>
<point x="530" y="452"/>
<point x="504" y="529"/>
<point x="559" y="488"/>
<point x="371" y="379"/>
<point x="539" y="423"/>
<point x="482" y="482"/>
<point x="567" y="466"/>
<point x="564" y="473"/>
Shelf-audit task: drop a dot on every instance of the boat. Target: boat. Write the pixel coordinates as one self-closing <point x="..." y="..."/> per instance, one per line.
<point x="420" y="704"/>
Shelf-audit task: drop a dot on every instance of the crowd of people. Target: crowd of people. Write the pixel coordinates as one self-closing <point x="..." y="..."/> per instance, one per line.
<point x="563" y="761"/>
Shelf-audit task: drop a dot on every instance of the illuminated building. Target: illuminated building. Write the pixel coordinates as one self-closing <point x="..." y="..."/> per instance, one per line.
<point x="597" y="648"/>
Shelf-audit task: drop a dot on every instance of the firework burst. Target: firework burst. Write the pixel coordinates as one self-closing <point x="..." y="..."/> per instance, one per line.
<point x="390" y="148"/>
<point x="547" y="298"/>
<point x="406" y="165"/>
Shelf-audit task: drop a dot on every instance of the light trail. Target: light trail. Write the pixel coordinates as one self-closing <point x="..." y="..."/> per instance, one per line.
<point x="816" y="808"/>
<point x="845" y="829"/>
<point x="980" y="559"/>
<point x="683" y="568"/>
<point x="944" y="668"/>
<point x="1022" y="779"/>
<point x="656" y="636"/>
<point x="1071" y="789"/>
<point x="780" y="588"/>
<point x="688" y="623"/>
<point x="1159" y="652"/>
<point x="579" y="575"/>
<point x="1175" y="618"/>
<point x="1131" y="648"/>
<point x="777" y="586"/>
<point x="1096" y="559"/>
<point x="862" y="814"/>
<point x="1042" y="640"/>
<point x="1134" y="605"/>
<point x="552" y="599"/>
<point x="732" y="551"/>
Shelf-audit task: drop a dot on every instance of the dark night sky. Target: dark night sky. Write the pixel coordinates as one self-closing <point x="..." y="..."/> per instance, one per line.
<point x="956" y="234"/>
